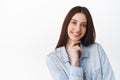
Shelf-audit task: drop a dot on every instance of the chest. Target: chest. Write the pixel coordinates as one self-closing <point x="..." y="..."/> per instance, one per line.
<point x="92" y="67"/>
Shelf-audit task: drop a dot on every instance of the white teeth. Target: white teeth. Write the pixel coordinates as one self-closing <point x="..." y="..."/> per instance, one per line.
<point x="76" y="34"/>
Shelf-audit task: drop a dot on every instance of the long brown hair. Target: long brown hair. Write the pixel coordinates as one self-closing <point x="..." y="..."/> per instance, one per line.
<point x="90" y="35"/>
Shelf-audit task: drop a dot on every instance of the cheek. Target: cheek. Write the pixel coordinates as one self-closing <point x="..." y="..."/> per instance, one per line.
<point x="69" y="29"/>
<point x="84" y="31"/>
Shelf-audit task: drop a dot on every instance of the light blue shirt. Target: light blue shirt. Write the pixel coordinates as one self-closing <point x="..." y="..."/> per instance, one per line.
<point x="94" y="64"/>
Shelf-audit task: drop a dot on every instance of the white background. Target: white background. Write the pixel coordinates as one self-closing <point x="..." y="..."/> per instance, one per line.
<point x="29" y="30"/>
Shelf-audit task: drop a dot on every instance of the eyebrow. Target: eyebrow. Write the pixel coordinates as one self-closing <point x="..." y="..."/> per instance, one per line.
<point x="77" y="20"/>
<point x="74" y="19"/>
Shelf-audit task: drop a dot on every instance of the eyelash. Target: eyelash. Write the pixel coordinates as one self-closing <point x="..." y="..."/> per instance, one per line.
<point x="74" y="23"/>
<point x="84" y="25"/>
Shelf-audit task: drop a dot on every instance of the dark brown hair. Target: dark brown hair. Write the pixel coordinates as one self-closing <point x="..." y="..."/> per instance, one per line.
<point x="90" y="35"/>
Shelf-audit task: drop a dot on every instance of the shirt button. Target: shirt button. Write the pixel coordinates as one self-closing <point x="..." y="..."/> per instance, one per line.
<point x="85" y="70"/>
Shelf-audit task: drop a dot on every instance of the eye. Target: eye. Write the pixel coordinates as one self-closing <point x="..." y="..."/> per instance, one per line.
<point x="84" y="25"/>
<point x="73" y="22"/>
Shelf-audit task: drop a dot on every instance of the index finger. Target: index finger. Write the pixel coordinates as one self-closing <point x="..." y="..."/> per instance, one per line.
<point x="76" y="43"/>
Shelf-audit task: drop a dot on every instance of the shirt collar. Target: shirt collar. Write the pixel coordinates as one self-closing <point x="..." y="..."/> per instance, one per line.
<point x="85" y="53"/>
<point x="64" y="55"/>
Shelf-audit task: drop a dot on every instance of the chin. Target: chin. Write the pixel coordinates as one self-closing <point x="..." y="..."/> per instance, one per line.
<point x="75" y="39"/>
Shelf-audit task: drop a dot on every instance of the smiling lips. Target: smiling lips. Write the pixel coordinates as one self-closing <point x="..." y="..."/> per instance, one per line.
<point x="76" y="34"/>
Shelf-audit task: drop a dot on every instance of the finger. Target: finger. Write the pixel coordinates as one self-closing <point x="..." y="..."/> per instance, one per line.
<point x="76" y="43"/>
<point x="77" y="48"/>
<point x="80" y="50"/>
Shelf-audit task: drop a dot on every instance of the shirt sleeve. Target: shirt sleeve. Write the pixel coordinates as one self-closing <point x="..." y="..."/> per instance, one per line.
<point x="57" y="72"/>
<point x="107" y="72"/>
<point x="76" y="73"/>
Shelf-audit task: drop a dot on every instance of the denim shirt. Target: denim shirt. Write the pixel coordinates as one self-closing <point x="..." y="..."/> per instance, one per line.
<point x="94" y="64"/>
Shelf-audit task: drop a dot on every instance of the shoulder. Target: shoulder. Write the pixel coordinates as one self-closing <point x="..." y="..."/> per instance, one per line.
<point x="51" y="57"/>
<point x="95" y="46"/>
<point x="95" y="49"/>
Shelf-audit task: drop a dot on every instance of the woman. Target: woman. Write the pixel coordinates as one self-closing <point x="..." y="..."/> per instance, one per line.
<point x="77" y="56"/>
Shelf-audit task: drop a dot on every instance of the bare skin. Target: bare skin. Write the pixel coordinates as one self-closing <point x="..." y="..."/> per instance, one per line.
<point x="76" y="30"/>
<point x="74" y="52"/>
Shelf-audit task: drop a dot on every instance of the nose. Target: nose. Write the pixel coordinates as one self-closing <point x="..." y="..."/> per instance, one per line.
<point x="78" y="28"/>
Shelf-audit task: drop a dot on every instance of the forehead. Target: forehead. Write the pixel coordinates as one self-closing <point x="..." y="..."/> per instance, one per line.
<point x="79" y="17"/>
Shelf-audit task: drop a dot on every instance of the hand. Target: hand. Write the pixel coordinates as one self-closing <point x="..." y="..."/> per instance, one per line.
<point x="74" y="52"/>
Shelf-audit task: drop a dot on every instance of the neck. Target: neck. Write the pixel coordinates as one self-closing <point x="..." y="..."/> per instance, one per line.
<point x="68" y="43"/>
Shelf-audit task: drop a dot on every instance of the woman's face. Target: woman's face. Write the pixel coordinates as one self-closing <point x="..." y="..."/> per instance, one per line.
<point x="77" y="27"/>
